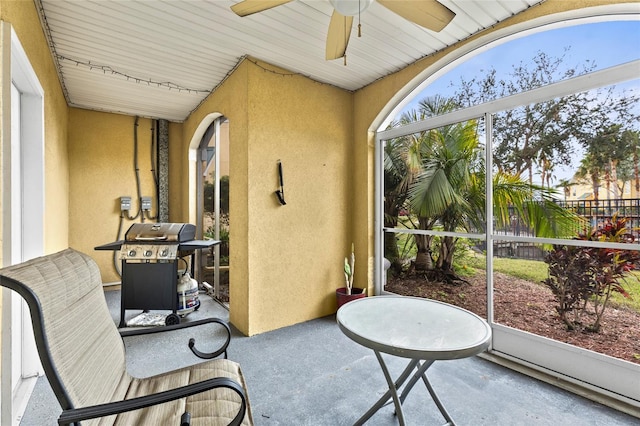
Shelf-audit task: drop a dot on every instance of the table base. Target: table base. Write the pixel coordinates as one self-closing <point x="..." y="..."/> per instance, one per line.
<point x="392" y="393"/>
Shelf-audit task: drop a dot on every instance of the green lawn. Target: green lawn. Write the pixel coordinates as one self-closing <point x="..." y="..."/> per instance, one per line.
<point x="467" y="261"/>
<point x="536" y="271"/>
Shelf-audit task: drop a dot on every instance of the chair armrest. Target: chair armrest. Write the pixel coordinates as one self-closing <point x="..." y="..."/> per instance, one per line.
<point x="77" y="414"/>
<point x="196" y="352"/>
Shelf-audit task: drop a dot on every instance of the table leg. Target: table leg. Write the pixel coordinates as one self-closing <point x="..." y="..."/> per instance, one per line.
<point x="422" y="369"/>
<point x="443" y="411"/>
<point x="399" y="400"/>
<point x="422" y="373"/>
<point x="391" y="393"/>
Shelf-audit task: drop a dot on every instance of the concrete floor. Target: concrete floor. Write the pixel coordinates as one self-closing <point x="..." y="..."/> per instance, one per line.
<point x="311" y="374"/>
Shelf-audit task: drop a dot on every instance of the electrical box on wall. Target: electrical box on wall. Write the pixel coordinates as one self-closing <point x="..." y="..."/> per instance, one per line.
<point x="125" y="203"/>
<point x="145" y="203"/>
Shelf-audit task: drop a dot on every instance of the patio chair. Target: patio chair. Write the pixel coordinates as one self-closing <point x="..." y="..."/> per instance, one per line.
<point x="83" y="355"/>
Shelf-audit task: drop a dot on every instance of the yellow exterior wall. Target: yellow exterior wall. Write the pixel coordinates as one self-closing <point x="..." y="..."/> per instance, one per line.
<point x="296" y="251"/>
<point x="22" y="16"/>
<point x="286" y="261"/>
<point x="101" y="158"/>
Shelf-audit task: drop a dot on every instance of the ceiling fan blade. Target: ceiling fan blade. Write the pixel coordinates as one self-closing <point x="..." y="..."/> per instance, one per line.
<point x="338" y="35"/>
<point x="249" y="7"/>
<point x="429" y="14"/>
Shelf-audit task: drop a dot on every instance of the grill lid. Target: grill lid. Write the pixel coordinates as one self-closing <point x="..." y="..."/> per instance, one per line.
<point x="161" y="232"/>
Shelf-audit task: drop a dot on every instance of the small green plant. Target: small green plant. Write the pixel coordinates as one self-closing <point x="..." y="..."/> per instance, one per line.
<point x="210" y="232"/>
<point x="349" y="264"/>
<point x="584" y="278"/>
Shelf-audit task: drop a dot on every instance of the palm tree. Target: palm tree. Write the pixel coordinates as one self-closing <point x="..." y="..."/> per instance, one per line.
<point x="448" y="191"/>
<point x="403" y="161"/>
<point x="592" y="169"/>
<point x="443" y="192"/>
<point x="395" y="195"/>
<point x="565" y="185"/>
<point x="414" y="149"/>
<point x="633" y="139"/>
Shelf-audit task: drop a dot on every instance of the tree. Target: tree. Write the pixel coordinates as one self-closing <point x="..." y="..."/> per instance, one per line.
<point x="633" y="138"/>
<point x="224" y="195"/>
<point x="443" y="192"/>
<point x="536" y="138"/>
<point x="616" y="150"/>
<point x="592" y="168"/>
<point x="395" y="194"/>
<point x="448" y="190"/>
<point x="531" y="138"/>
<point x="565" y="185"/>
<point x="453" y="192"/>
<point x="606" y="158"/>
<point x="403" y="161"/>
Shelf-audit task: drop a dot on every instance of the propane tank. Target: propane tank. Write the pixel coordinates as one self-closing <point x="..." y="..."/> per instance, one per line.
<point x="187" y="294"/>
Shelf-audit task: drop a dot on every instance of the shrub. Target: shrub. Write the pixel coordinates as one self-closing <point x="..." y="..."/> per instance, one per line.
<point x="584" y="278"/>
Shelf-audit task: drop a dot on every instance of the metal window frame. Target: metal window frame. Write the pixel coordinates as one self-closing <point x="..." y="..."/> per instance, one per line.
<point x="605" y="77"/>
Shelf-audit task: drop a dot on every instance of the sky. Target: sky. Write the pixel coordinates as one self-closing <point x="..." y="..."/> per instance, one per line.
<point x="606" y="43"/>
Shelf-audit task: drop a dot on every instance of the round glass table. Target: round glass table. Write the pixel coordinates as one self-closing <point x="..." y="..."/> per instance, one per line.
<point x="422" y="330"/>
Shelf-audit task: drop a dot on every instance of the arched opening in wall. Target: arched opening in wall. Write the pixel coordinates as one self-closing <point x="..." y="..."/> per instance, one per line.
<point x="510" y="186"/>
<point x="213" y="217"/>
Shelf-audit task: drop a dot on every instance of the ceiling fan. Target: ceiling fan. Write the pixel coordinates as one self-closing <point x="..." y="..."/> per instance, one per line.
<point x="429" y="14"/>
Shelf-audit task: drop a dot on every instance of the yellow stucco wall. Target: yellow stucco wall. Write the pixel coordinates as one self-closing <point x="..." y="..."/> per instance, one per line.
<point x="101" y="158"/>
<point x="277" y="115"/>
<point x="22" y="16"/>
<point x="296" y="251"/>
<point x="286" y="261"/>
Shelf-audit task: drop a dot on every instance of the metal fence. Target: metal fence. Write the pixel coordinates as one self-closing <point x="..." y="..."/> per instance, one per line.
<point x="596" y="213"/>
<point x="599" y="212"/>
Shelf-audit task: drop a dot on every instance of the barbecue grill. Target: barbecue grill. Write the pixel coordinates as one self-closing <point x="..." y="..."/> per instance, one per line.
<point x="150" y="253"/>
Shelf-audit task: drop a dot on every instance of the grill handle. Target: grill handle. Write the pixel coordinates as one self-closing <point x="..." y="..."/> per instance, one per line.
<point x="141" y="238"/>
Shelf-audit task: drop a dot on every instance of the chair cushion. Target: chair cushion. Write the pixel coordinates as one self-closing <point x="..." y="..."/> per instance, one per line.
<point x="216" y="407"/>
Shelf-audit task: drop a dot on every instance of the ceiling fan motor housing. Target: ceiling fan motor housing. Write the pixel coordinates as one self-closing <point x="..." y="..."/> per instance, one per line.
<point x="350" y="7"/>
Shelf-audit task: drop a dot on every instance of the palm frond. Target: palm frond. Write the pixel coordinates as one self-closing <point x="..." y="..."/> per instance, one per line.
<point x="432" y="193"/>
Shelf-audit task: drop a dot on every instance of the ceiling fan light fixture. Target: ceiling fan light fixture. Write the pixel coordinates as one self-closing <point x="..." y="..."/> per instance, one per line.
<point x="350" y="7"/>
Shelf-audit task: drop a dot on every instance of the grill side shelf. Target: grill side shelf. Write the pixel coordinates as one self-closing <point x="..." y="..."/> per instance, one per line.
<point x="188" y="245"/>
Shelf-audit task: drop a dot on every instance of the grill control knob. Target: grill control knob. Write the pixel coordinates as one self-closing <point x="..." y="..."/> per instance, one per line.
<point x="164" y="253"/>
<point x="132" y="253"/>
<point x="148" y="253"/>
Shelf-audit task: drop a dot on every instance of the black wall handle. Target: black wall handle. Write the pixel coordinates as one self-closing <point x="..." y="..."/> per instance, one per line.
<point x="280" y="192"/>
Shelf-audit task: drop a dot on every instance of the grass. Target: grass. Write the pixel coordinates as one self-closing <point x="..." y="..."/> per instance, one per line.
<point x="468" y="261"/>
<point x="537" y="271"/>
<point x="530" y="270"/>
<point x="632" y="285"/>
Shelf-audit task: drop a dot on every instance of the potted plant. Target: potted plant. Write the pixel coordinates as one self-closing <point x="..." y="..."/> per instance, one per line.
<point x="348" y="292"/>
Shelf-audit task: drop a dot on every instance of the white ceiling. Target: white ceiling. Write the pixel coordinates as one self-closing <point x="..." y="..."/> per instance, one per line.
<point x="161" y="58"/>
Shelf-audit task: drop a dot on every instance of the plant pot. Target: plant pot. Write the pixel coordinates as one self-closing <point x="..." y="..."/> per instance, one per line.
<point x="356" y="293"/>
